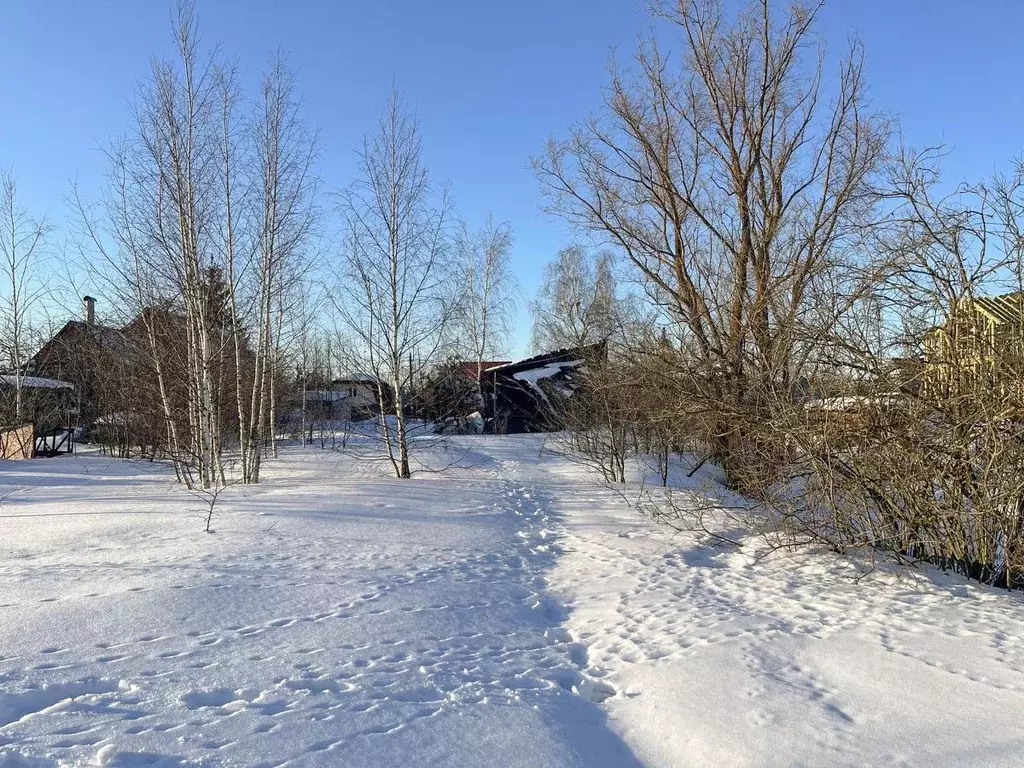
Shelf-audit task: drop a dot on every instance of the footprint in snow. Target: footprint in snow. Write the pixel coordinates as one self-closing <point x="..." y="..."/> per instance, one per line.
<point x="596" y="691"/>
<point x="558" y="635"/>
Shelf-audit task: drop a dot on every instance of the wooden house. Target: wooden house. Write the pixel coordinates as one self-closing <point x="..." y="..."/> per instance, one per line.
<point x="84" y="354"/>
<point x="352" y="397"/>
<point x="977" y="352"/>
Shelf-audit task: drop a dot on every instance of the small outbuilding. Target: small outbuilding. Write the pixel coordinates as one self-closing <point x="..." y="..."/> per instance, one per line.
<point x="523" y="396"/>
<point x="38" y="416"/>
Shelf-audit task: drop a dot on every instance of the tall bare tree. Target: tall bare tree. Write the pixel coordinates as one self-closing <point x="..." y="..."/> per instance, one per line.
<point x="169" y="164"/>
<point x="285" y="213"/>
<point x="736" y="186"/>
<point x="576" y="303"/>
<point x="204" y="232"/>
<point x="484" y="316"/>
<point x="396" y="294"/>
<point x="22" y="257"/>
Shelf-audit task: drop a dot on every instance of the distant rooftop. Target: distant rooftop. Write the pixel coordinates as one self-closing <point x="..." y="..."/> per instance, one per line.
<point x="359" y="376"/>
<point x="34" y="382"/>
<point x="586" y="352"/>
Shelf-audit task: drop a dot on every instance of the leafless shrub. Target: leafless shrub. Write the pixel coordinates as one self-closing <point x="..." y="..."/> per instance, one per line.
<point x="820" y="323"/>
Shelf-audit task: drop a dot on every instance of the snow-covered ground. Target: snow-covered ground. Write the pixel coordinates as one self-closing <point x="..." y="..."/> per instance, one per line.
<point x="513" y="613"/>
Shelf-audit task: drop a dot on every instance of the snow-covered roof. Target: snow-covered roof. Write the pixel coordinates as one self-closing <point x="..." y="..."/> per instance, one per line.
<point x="533" y="376"/>
<point x="585" y="352"/>
<point x="34" y="382"/>
<point x="852" y="401"/>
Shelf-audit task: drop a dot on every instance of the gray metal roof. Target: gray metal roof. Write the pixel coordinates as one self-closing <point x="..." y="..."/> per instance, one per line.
<point x="34" y="382"/>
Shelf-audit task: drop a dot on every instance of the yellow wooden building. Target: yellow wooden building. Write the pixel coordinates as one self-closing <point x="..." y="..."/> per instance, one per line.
<point x="978" y="352"/>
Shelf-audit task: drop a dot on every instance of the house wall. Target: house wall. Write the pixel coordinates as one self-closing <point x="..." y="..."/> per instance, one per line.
<point x="973" y="354"/>
<point x="347" y="401"/>
<point x="17" y="442"/>
<point x="360" y="396"/>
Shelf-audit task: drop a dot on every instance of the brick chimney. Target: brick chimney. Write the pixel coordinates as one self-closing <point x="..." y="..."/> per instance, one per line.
<point x="90" y="309"/>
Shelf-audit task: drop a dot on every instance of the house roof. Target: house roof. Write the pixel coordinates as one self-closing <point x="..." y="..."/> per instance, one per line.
<point x="355" y="377"/>
<point x="1008" y="308"/>
<point x="566" y="354"/>
<point x="34" y="382"/>
<point x="468" y="368"/>
<point x="105" y="335"/>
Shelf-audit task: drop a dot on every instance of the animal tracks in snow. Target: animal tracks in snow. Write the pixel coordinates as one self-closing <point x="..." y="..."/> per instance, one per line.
<point x="339" y="617"/>
<point x="325" y="634"/>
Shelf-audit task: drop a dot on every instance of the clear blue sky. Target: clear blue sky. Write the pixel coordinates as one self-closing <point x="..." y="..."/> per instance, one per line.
<point x="490" y="81"/>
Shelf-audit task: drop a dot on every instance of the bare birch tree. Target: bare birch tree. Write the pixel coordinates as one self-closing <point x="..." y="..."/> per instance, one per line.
<point x="203" y="231"/>
<point x="22" y="257"/>
<point x="284" y="216"/>
<point x="576" y="303"/>
<point x="396" y="293"/>
<point x="484" y="316"/>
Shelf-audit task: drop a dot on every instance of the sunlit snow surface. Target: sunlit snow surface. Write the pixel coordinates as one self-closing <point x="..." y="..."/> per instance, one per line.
<point x="506" y="613"/>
